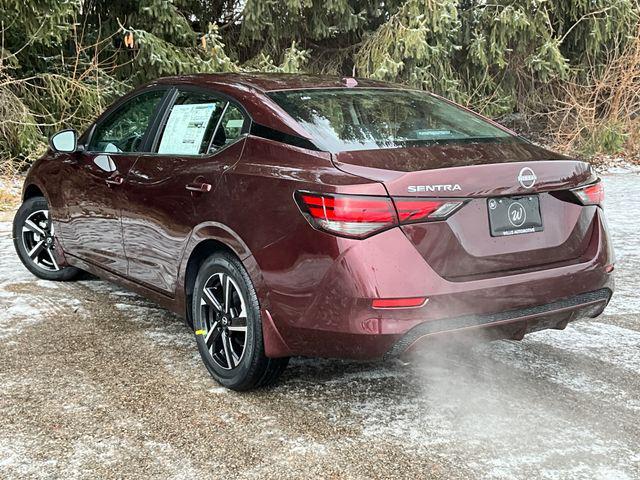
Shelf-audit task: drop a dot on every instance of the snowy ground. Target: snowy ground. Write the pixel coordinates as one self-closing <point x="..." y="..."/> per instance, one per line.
<point x="96" y="382"/>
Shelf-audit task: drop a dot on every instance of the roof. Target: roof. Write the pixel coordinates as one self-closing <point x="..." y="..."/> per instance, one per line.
<point x="250" y="89"/>
<point x="267" y="82"/>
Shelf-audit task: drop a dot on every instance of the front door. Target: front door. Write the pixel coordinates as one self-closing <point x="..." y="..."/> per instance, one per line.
<point x="164" y="188"/>
<point x="94" y="193"/>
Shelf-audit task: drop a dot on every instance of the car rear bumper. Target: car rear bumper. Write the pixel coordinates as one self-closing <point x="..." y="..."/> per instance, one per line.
<point x="509" y="324"/>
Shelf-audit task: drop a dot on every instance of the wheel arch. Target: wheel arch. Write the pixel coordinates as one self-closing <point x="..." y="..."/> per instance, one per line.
<point x="199" y="254"/>
<point x="206" y="239"/>
<point x="32" y="190"/>
<point x="274" y="344"/>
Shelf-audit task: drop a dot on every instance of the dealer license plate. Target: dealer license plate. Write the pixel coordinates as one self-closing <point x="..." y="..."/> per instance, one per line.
<point x="514" y="215"/>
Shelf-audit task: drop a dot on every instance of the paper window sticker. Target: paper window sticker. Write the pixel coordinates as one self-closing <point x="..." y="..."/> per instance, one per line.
<point x="234" y="123"/>
<point x="185" y="128"/>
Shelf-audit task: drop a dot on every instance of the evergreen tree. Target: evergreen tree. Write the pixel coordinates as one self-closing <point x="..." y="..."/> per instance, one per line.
<point x="61" y="62"/>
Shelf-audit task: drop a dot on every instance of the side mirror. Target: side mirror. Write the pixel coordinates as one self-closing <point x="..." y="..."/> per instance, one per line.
<point x="65" y="141"/>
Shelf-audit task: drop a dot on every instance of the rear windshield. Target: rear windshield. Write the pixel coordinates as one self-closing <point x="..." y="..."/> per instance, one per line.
<point x="365" y="119"/>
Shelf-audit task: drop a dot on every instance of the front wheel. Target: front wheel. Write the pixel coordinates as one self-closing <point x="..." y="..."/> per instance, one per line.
<point x="35" y="241"/>
<point x="228" y="326"/>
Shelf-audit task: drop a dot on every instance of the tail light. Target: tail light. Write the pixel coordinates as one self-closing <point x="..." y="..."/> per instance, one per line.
<point x="359" y="216"/>
<point x="591" y="194"/>
<point x="412" y="210"/>
<point x="347" y="215"/>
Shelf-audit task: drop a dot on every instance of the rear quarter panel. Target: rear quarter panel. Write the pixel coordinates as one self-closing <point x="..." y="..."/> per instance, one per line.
<point x="255" y="214"/>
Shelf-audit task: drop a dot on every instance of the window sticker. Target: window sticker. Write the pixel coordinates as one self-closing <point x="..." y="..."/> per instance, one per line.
<point x="185" y="128"/>
<point x="235" y="123"/>
<point x="433" y="133"/>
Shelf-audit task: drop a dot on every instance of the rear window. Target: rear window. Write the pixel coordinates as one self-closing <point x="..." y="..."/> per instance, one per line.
<point x="365" y="119"/>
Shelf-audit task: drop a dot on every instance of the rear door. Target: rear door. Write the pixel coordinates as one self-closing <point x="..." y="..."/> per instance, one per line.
<point x="173" y="188"/>
<point x="94" y="192"/>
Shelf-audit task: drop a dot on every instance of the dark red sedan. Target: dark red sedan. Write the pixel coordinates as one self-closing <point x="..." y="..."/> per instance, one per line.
<point x="293" y="215"/>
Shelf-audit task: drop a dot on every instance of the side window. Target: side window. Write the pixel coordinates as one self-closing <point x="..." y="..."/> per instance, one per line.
<point x="230" y="128"/>
<point x="124" y="130"/>
<point x="190" y="124"/>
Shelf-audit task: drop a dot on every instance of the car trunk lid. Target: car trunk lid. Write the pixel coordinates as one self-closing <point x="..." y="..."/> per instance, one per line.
<point x="462" y="246"/>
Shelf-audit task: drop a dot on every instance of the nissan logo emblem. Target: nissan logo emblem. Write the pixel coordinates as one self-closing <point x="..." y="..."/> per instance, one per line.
<point x="527" y="177"/>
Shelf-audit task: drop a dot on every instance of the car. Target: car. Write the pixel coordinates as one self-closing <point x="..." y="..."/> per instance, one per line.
<point x="294" y="215"/>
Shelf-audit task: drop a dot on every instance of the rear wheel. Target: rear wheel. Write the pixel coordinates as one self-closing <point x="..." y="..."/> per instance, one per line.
<point x="35" y="241"/>
<point x="228" y="326"/>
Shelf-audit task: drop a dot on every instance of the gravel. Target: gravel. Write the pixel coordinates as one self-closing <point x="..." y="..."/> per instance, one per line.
<point x="97" y="382"/>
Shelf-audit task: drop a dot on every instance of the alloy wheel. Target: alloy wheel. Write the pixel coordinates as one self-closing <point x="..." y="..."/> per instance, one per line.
<point x="224" y="318"/>
<point x="39" y="240"/>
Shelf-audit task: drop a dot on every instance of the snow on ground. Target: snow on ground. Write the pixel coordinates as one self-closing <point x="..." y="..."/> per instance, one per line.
<point x="97" y="382"/>
<point x="622" y="206"/>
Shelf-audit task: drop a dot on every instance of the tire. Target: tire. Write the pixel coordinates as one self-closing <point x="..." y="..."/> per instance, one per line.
<point x="229" y="333"/>
<point x="33" y="233"/>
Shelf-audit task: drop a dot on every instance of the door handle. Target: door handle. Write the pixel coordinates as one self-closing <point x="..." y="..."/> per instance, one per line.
<point x="117" y="180"/>
<point x="198" y="187"/>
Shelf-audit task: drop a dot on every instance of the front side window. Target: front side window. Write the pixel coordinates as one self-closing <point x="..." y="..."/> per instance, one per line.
<point x="191" y="123"/>
<point x="124" y="130"/>
<point x="348" y="119"/>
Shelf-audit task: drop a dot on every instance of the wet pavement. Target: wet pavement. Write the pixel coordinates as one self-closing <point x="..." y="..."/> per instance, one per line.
<point x="96" y="382"/>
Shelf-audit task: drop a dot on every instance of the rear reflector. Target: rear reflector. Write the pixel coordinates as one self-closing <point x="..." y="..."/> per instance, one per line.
<point x="590" y="195"/>
<point x="359" y="216"/>
<point x="355" y="216"/>
<point x="398" y="302"/>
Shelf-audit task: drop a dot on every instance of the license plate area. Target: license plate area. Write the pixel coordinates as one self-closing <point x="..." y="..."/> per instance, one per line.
<point x="514" y="215"/>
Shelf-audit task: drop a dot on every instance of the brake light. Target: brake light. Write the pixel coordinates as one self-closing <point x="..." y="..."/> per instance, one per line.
<point x="591" y="194"/>
<point x="355" y="216"/>
<point x="360" y="216"/>
<point x="419" y="210"/>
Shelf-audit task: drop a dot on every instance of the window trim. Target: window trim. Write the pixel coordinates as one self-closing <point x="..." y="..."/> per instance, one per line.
<point x="117" y="107"/>
<point x="160" y="119"/>
<point x="268" y="133"/>
<point x="154" y="141"/>
<point x="215" y="130"/>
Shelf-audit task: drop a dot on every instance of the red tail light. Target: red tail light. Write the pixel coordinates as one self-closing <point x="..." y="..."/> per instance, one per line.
<point x="419" y="210"/>
<point x="360" y="216"/>
<point x="591" y="194"/>
<point x="348" y="215"/>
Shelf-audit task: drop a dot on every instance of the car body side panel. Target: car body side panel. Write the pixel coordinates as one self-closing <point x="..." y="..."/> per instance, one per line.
<point x="84" y="208"/>
<point x="46" y="174"/>
<point x="160" y="213"/>
<point x="259" y="209"/>
<point x="153" y="295"/>
<point x="93" y="229"/>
